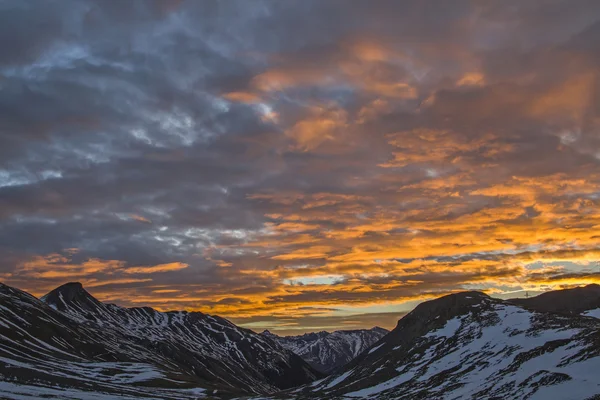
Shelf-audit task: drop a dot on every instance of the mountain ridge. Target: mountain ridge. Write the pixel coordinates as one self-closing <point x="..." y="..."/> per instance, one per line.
<point x="469" y="345"/>
<point x="464" y="345"/>
<point x="178" y="349"/>
<point x="571" y="301"/>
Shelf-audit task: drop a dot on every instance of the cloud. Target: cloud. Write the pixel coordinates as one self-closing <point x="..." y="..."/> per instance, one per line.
<point x="406" y="151"/>
<point x="140" y="218"/>
<point x="300" y="325"/>
<point x="157" y="268"/>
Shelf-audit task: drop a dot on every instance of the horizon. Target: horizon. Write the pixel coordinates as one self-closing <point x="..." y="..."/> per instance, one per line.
<point x="299" y="166"/>
<point x="290" y="331"/>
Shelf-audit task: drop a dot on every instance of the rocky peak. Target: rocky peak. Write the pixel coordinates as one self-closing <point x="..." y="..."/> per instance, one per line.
<point x="444" y="308"/>
<point x="428" y="316"/>
<point x="468" y="345"/>
<point x="205" y="351"/>
<point x="72" y="297"/>
<point x="380" y="330"/>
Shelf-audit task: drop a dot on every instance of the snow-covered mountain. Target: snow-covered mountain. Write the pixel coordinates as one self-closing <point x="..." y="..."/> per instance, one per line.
<point x="462" y="346"/>
<point x="326" y="351"/>
<point x="470" y="346"/>
<point x="69" y="343"/>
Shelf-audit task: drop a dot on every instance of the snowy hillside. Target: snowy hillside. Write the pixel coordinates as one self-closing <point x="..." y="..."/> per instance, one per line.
<point x="470" y="346"/>
<point x="326" y="351"/>
<point x="72" y="341"/>
<point x="592" y="313"/>
<point x="462" y="346"/>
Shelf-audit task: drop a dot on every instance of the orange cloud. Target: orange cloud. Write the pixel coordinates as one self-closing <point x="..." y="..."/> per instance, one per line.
<point x="569" y="99"/>
<point x="58" y="266"/>
<point x="323" y="124"/>
<point x="175" y="266"/>
<point x="94" y="283"/>
<point x="140" y="218"/>
<point x="389" y="168"/>
<point x="243" y="97"/>
<point x="471" y="79"/>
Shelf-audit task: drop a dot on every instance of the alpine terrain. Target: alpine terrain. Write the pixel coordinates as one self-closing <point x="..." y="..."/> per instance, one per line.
<point x="471" y="346"/>
<point x="70" y="345"/>
<point x="326" y="351"/>
<point x="581" y="300"/>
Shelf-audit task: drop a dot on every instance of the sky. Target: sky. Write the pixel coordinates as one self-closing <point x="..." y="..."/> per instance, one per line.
<point x="299" y="165"/>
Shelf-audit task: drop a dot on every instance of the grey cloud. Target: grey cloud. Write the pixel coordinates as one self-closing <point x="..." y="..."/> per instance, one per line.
<point x="117" y="137"/>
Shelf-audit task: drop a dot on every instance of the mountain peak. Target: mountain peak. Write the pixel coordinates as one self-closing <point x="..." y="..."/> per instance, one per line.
<point x="468" y="345"/>
<point x="445" y="307"/>
<point x="131" y="345"/>
<point x="593" y="286"/>
<point x="428" y="316"/>
<point x="69" y="289"/>
<point x="71" y="294"/>
<point x="379" y="329"/>
<point x="70" y="286"/>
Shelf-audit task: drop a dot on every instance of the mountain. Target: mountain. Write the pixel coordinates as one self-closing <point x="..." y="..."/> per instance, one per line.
<point x="470" y="346"/>
<point x="69" y="344"/>
<point x="462" y="346"/>
<point x="580" y="300"/>
<point x="326" y="351"/>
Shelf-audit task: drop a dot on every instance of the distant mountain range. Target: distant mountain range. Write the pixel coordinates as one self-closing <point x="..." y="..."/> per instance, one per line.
<point x="326" y="351"/>
<point x="69" y="345"/>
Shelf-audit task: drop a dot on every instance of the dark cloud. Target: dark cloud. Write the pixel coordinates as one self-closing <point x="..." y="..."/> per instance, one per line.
<point x="389" y="150"/>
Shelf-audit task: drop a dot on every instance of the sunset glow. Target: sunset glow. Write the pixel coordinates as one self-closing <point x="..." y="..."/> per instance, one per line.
<point x="300" y="166"/>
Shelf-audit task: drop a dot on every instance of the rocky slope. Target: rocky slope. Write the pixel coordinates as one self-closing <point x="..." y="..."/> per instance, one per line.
<point x="69" y="342"/>
<point x="326" y="351"/>
<point x="580" y="300"/>
<point x="462" y="346"/>
<point x="470" y="346"/>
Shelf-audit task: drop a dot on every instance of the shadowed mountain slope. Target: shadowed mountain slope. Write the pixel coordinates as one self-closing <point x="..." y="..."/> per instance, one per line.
<point x="71" y="340"/>
<point x="470" y="346"/>
<point x="571" y="301"/>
